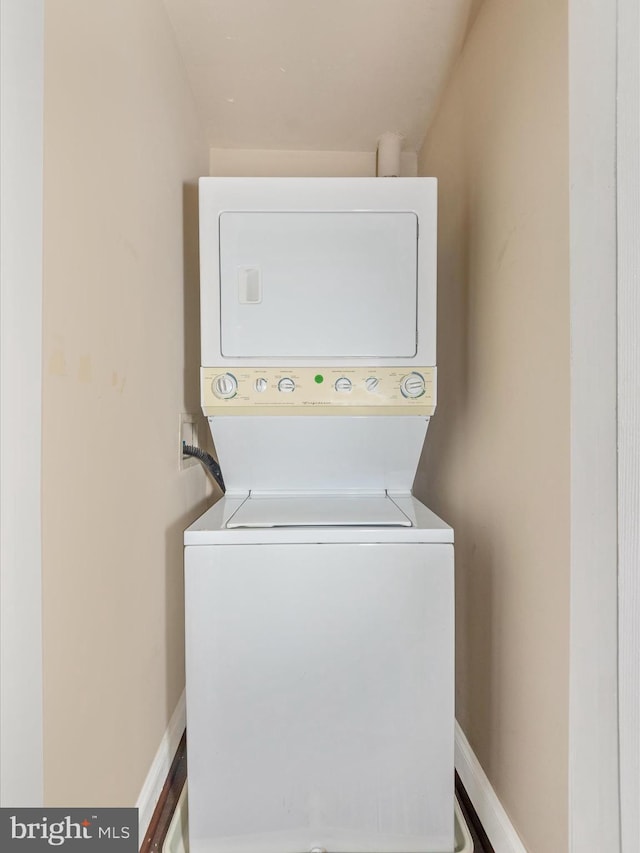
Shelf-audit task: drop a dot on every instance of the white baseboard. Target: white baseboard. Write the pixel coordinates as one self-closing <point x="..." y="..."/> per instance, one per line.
<point x="494" y="819"/>
<point x="160" y="767"/>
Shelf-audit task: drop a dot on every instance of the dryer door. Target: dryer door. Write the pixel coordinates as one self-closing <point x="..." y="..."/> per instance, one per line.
<point x="318" y="284"/>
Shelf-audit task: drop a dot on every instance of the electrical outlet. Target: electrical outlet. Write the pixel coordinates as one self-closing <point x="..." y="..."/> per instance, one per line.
<point x="188" y="434"/>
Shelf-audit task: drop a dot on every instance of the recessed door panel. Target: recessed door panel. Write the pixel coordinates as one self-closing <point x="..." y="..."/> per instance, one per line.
<point x="318" y="284"/>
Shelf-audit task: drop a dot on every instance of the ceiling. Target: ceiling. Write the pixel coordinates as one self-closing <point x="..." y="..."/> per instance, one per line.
<point x="317" y="74"/>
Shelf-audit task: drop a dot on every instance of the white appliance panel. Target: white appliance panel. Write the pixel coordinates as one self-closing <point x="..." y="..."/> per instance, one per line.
<point x="318" y="284"/>
<point x="411" y="204"/>
<point x="320" y="698"/>
<point x="311" y="454"/>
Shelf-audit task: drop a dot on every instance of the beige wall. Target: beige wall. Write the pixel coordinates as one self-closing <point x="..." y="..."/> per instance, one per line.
<point x="263" y="163"/>
<point x="496" y="464"/>
<point x="120" y="362"/>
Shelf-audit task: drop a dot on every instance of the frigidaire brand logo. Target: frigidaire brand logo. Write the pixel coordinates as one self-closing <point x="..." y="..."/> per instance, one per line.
<point x="32" y="830"/>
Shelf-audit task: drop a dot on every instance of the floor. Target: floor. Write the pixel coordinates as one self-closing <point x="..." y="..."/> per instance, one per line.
<point x="161" y="820"/>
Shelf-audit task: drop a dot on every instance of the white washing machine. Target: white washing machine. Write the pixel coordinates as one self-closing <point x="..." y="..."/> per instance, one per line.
<point x="319" y="591"/>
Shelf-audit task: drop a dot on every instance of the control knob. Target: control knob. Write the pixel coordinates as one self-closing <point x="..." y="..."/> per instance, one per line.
<point x="371" y="383"/>
<point x="343" y="384"/>
<point x="225" y="386"/>
<point x="412" y="385"/>
<point x="287" y="385"/>
<point x="261" y="384"/>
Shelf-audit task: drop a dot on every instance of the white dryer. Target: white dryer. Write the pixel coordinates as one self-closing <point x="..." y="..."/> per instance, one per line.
<point x="319" y="591"/>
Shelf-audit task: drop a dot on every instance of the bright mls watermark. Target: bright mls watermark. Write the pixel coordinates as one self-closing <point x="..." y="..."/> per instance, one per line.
<point x="75" y="830"/>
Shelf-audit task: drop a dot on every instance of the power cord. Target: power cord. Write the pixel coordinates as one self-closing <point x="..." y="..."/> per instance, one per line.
<point x="208" y="461"/>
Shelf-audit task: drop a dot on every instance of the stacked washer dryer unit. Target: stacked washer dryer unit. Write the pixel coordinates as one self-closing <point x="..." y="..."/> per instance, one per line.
<point x="319" y="591"/>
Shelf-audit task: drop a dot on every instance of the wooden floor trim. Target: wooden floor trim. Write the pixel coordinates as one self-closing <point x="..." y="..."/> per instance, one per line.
<point x="155" y="835"/>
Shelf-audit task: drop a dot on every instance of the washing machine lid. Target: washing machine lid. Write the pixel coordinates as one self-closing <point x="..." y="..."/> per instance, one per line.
<point x="260" y="511"/>
<point x="212" y="527"/>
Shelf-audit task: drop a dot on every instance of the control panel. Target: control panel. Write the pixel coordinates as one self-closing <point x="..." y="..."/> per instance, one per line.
<point x="318" y="391"/>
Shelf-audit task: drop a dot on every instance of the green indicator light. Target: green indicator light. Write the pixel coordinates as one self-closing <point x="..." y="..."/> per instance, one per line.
<point x="319" y="378"/>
